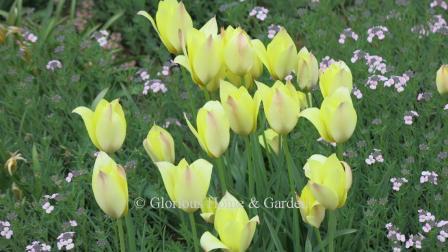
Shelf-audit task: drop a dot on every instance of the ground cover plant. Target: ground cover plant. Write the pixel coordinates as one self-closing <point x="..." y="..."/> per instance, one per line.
<point x="269" y="126"/>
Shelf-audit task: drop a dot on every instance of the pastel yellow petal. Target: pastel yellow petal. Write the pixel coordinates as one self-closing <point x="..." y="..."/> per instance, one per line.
<point x="229" y="209"/>
<point x="195" y="133"/>
<point x="168" y="172"/>
<point x="210" y="242"/>
<point x="313" y="115"/>
<point x="110" y="129"/>
<point x="283" y="113"/>
<point x="225" y="89"/>
<point x="324" y="195"/>
<point x="273" y="139"/>
<point x="248" y="232"/>
<point x="260" y="51"/>
<point x="334" y="176"/>
<point x="211" y="27"/>
<point x="348" y="175"/>
<point x="151" y="20"/>
<point x="216" y="128"/>
<point x="238" y="54"/>
<point x="87" y="116"/>
<point x="207" y="62"/>
<point x="442" y="80"/>
<point x="183" y="61"/>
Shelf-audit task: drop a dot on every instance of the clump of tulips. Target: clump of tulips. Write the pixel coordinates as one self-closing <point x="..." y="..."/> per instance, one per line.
<point x="232" y="62"/>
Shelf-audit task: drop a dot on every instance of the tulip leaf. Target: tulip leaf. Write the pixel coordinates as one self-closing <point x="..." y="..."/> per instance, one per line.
<point x="274" y="236"/>
<point x="99" y="97"/>
<point x="37" y="172"/>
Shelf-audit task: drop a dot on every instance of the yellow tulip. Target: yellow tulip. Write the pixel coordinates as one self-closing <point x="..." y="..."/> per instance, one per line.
<point x="186" y="185"/>
<point x="238" y="52"/>
<point x="273" y="139"/>
<point x="234" y="228"/>
<point x="11" y="163"/>
<point x="106" y="125"/>
<point x="280" y="55"/>
<point x="442" y="80"/>
<point x="336" y="119"/>
<point x="281" y="104"/>
<point x="212" y="129"/>
<point x="335" y="76"/>
<point x="204" y="56"/>
<point x="329" y="180"/>
<point x="307" y="70"/>
<point x="208" y="209"/>
<point x="312" y="211"/>
<point x="172" y="24"/>
<point x="159" y="145"/>
<point x="110" y="187"/>
<point x="240" y="107"/>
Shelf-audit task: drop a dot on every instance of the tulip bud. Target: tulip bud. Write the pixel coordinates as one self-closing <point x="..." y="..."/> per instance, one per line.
<point x="186" y="185"/>
<point x="279" y="56"/>
<point x="335" y="76"/>
<point x="336" y="119"/>
<point x="329" y="180"/>
<point x="11" y="163"/>
<point x="307" y="70"/>
<point x="212" y="129"/>
<point x="110" y="186"/>
<point x="203" y="57"/>
<point x="208" y="209"/>
<point x="173" y="24"/>
<point x="106" y="125"/>
<point x="238" y="52"/>
<point x="312" y="211"/>
<point x="240" y="108"/>
<point x="159" y="145"/>
<point x="234" y="228"/>
<point x="442" y="80"/>
<point x="281" y="104"/>
<point x="272" y="138"/>
<point x="16" y="191"/>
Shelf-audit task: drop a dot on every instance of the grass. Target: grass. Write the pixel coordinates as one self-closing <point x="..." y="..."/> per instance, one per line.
<point x="36" y="120"/>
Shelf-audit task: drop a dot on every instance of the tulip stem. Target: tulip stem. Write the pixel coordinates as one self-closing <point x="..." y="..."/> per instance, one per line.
<point x="121" y="234"/>
<point x="331" y="229"/>
<point x="195" y="233"/>
<point x="222" y="177"/>
<point x="319" y="239"/>
<point x="250" y="169"/>
<point x="309" y="99"/>
<point x="340" y="151"/>
<point x="295" y="215"/>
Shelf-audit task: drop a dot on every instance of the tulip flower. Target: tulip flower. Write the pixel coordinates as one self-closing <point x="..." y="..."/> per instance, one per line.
<point x="281" y="104"/>
<point x="186" y="184"/>
<point x="203" y="56"/>
<point x="240" y="107"/>
<point x="280" y="55"/>
<point x="212" y="129"/>
<point x="106" y="125"/>
<point x="336" y="119"/>
<point x="234" y="228"/>
<point x="272" y="138"/>
<point x="208" y="209"/>
<point x="307" y="70"/>
<point x="238" y="52"/>
<point x="159" y="145"/>
<point x="312" y="211"/>
<point x="442" y="80"/>
<point x="329" y="180"/>
<point x="335" y="76"/>
<point x="110" y="187"/>
<point x="11" y="163"/>
<point x="172" y="24"/>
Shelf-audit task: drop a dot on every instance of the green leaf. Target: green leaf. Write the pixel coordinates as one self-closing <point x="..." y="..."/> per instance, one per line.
<point x="99" y="97"/>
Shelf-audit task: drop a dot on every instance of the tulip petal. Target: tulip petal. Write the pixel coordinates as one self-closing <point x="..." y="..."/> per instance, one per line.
<point x="260" y="51"/>
<point x="87" y="116"/>
<point x="216" y="134"/>
<point x="229" y="209"/>
<point x="195" y="133"/>
<point x="210" y="28"/>
<point x="151" y="20"/>
<point x="342" y="124"/>
<point x="324" y="195"/>
<point x="183" y="61"/>
<point x="110" y="129"/>
<point x="225" y="90"/>
<point x="168" y="172"/>
<point x="313" y="115"/>
<point x="348" y="175"/>
<point x="248" y="232"/>
<point x="210" y="242"/>
<point x="316" y="216"/>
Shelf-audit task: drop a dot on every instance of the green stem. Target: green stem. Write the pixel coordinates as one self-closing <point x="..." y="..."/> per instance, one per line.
<point x="206" y="95"/>
<point x="309" y="99"/>
<point x="319" y="239"/>
<point x="131" y="232"/>
<point x="121" y="234"/>
<point x="190" y="95"/>
<point x="295" y="216"/>
<point x="331" y="229"/>
<point x="340" y="151"/>
<point x="250" y="168"/>
<point x="222" y="177"/>
<point x="195" y="233"/>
